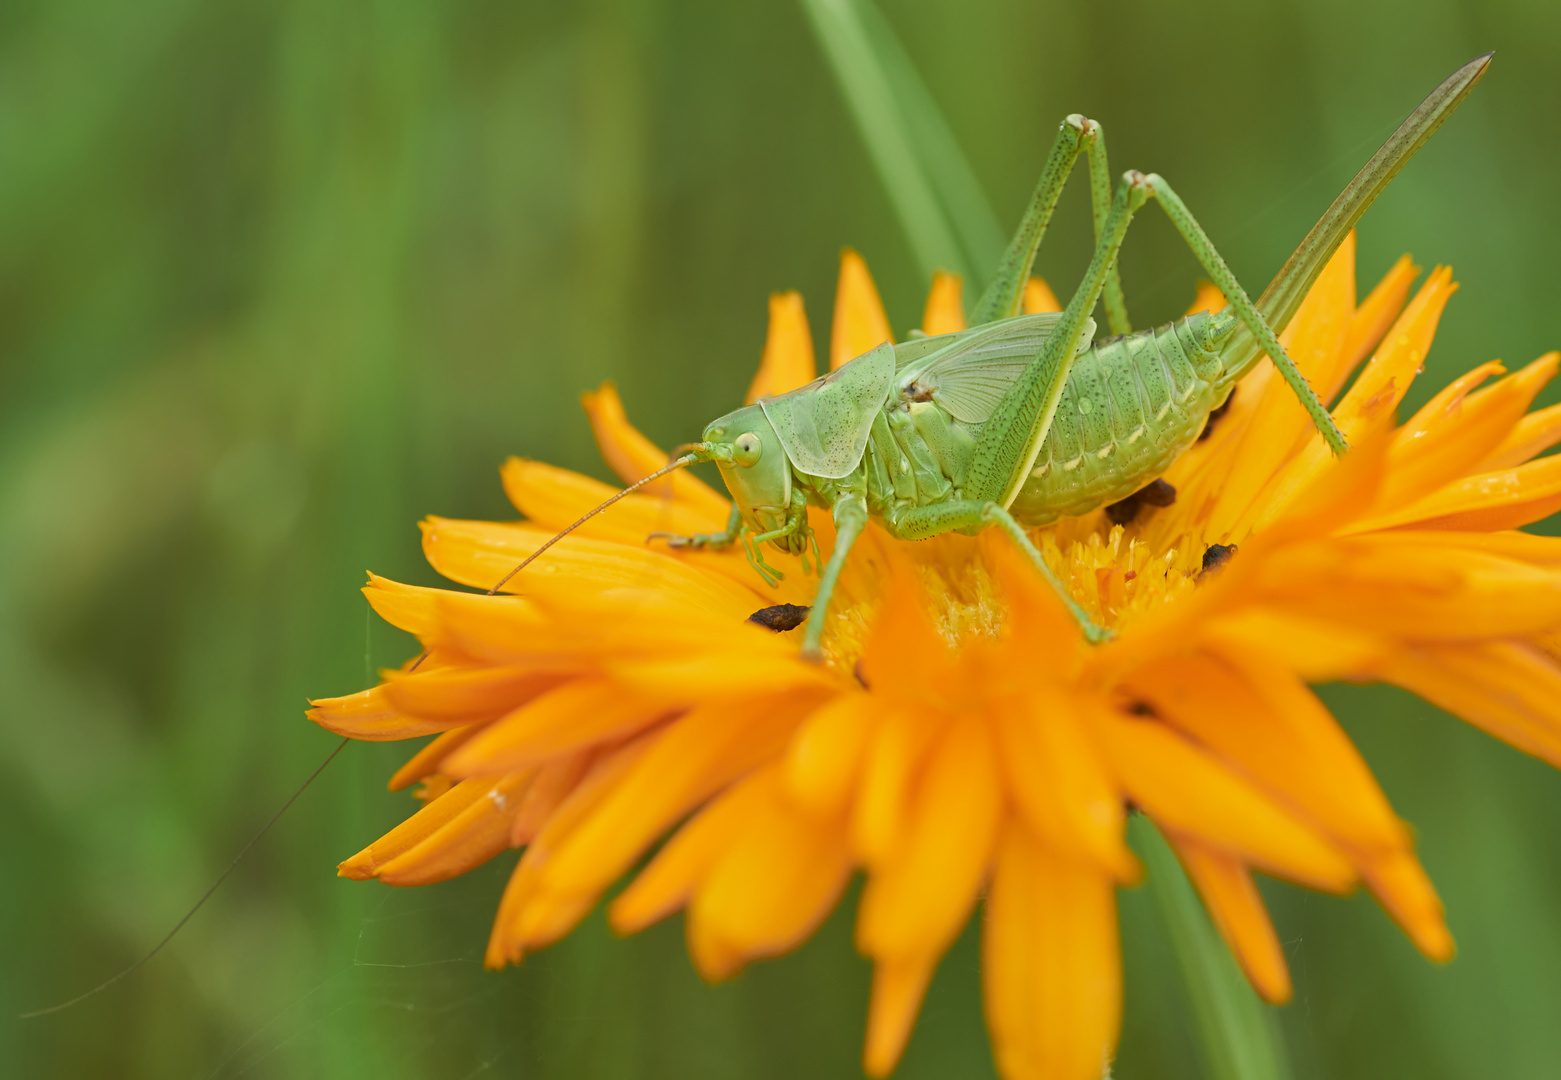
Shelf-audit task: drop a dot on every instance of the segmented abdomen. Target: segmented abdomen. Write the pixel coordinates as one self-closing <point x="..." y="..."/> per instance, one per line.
<point x="1130" y="407"/>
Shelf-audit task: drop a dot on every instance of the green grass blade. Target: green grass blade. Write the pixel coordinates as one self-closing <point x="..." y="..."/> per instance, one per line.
<point x="1238" y="1035"/>
<point x="959" y="192"/>
<point x="935" y="194"/>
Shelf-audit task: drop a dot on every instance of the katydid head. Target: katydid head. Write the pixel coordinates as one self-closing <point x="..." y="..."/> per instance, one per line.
<point x="753" y="463"/>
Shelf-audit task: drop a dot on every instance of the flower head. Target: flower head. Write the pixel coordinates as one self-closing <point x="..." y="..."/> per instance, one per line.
<point x="962" y="740"/>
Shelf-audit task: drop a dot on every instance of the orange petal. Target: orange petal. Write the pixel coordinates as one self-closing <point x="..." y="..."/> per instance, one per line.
<point x="406" y="607"/>
<point x="368" y="715"/>
<point x="1260" y="717"/>
<point x="1232" y="898"/>
<point x="684" y="861"/>
<point x="457" y="832"/>
<point x="427" y="760"/>
<point x="1373" y="318"/>
<point x="572" y="717"/>
<point x="1199" y="475"/>
<point x="1331" y="498"/>
<point x="1508" y="544"/>
<point x="1386" y="378"/>
<point x="1400" y="883"/>
<point x="824" y="759"/>
<point x="528" y="918"/>
<point x="1449" y="433"/>
<point x="904" y="628"/>
<point x="788" y="349"/>
<point x="1370" y="402"/>
<point x="1050" y="964"/>
<point x="1315" y="342"/>
<point x="1057" y="782"/>
<point x="1485" y="503"/>
<point x="1318" y="494"/>
<point x="632" y="456"/>
<point x="553" y="498"/>
<point x="465" y="693"/>
<point x="945" y="311"/>
<point x="481" y="553"/>
<point x="1549" y="643"/>
<point x="471" y="838"/>
<point x="554" y="783"/>
<point x="918" y="899"/>
<point x="900" y="741"/>
<point x="860" y="323"/>
<point x="620" y="623"/>
<point x="899" y="984"/>
<point x="1039" y="624"/>
<point x="1453" y="432"/>
<point x="1039" y="298"/>
<point x="1316" y="649"/>
<point x="1529" y="437"/>
<point x="1187" y="791"/>
<point x="727" y="673"/>
<point x="1327" y="362"/>
<point x="427" y="822"/>
<point x="1208" y="298"/>
<point x="770" y="889"/>
<point x="1505" y="688"/>
<point x="694" y="757"/>
<point x="1413" y="591"/>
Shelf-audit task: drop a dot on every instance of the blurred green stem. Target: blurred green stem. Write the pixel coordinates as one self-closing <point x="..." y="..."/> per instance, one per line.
<point x="935" y="193"/>
<point x="1238" y="1034"/>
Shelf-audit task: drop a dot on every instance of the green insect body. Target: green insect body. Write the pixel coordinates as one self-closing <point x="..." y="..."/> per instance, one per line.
<point x="898" y="427"/>
<point x="1023" y="420"/>
<point x="1131" y="405"/>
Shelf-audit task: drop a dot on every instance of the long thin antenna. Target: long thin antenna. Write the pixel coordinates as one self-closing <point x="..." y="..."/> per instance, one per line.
<point x="675" y="463"/>
<point x="98" y="989"/>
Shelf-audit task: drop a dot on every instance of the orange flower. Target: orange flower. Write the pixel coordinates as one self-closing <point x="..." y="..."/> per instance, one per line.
<point x="962" y="739"/>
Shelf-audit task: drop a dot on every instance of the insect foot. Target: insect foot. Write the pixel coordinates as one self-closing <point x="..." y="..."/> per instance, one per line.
<point x="781" y="617"/>
<point x="1156" y="493"/>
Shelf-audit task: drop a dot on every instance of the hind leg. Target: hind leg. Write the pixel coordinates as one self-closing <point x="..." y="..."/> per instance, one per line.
<point x="1004" y="297"/>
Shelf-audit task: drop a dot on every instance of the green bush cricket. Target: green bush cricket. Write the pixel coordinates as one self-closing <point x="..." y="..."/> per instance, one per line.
<point x="1021" y="420"/>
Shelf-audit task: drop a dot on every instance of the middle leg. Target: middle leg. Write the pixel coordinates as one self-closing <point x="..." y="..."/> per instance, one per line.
<point x="927" y="521"/>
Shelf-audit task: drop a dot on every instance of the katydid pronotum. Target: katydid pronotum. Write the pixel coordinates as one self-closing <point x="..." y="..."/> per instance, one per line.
<point x="1022" y="420"/>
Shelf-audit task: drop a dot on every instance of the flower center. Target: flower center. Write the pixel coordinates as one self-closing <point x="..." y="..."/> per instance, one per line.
<point x="1115" y="577"/>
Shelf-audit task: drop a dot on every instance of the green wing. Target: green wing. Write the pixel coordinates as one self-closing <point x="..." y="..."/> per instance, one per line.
<point x="969" y="374"/>
<point x="824" y="425"/>
<point x="920" y="347"/>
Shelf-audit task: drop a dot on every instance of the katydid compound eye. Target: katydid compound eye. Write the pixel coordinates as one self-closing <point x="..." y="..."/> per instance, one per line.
<point x="746" y="449"/>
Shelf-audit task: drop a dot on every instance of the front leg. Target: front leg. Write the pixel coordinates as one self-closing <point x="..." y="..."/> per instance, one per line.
<point x="717" y="541"/>
<point x="850" y="512"/>
<point x="923" y="522"/>
<point x="792" y="537"/>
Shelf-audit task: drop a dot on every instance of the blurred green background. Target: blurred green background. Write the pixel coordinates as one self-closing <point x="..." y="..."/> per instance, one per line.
<point x="276" y="279"/>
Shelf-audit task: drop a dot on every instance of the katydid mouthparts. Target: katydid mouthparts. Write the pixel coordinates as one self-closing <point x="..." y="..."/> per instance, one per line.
<point x="1022" y="420"/>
